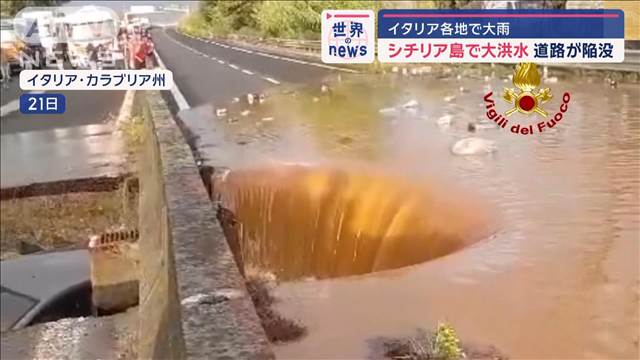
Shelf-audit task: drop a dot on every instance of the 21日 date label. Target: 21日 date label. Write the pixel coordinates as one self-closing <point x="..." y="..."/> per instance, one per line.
<point x="47" y="103"/>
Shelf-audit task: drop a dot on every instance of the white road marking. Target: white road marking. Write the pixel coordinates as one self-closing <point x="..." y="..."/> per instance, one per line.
<point x="175" y="91"/>
<point x="268" y="55"/>
<point x="243" y="50"/>
<point x="247" y="72"/>
<point x="235" y="67"/>
<point x="14" y="105"/>
<point x="271" y="80"/>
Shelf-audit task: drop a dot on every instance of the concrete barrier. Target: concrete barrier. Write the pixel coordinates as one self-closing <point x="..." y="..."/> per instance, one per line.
<point x="193" y="300"/>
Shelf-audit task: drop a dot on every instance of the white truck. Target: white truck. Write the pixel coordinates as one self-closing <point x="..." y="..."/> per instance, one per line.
<point x="92" y="28"/>
<point x="37" y="30"/>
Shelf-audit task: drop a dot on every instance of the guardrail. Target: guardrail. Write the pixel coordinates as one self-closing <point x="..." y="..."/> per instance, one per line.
<point x="631" y="63"/>
<point x="306" y="45"/>
<point x="294" y="44"/>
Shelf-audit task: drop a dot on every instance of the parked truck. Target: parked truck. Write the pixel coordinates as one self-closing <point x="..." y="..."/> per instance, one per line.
<point x="92" y="29"/>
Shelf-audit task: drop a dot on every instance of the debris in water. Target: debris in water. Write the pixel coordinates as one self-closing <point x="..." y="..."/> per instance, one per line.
<point x="444" y="120"/>
<point x="324" y="88"/>
<point x="315" y="99"/>
<point x="481" y="125"/>
<point x="245" y="112"/>
<point x="395" y="69"/>
<point x="345" y="140"/>
<point x="232" y="120"/>
<point x="268" y="118"/>
<point x="414" y="71"/>
<point x="463" y="89"/>
<point x="487" y="78"/>
<point x="411" y="104"/>
<point x="423" y="346"/>
<point x="404" y="71"/>
<point x="235" y="100"/>
<point x="459" y="77"/>
<point x="221" y="112"/>
<point x="473" y="146"/>
<point x="389" y="110"/>
<point x="449" y="98"/>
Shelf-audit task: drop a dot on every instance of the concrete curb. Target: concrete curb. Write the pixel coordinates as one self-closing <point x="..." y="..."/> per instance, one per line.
<point x="193" y="300"/>
<point x="125" y="109"/>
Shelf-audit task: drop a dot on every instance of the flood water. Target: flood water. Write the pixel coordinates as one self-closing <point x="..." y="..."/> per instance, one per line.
<point x="559" y="275"/>
<point x="297" y="221"/>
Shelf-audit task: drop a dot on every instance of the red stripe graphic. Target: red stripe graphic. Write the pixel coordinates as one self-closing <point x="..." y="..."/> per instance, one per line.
<point x="499" y="15"/>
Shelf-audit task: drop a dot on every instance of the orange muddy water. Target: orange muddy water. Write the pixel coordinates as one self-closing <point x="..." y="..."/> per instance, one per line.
<point x="533" y="248"/>
<point x="299" y="221"/>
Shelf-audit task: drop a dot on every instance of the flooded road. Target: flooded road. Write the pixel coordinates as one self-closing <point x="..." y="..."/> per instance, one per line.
<point x="559" y="276"/>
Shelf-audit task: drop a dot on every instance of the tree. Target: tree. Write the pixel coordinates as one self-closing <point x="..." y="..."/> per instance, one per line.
<point x="11" y="7"/>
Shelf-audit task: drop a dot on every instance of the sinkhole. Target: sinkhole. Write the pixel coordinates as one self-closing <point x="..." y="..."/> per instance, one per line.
<point x="305" y="221"/>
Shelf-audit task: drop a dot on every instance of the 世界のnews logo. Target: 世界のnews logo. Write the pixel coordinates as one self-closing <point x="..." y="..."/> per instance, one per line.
<point x="348" y="36"/>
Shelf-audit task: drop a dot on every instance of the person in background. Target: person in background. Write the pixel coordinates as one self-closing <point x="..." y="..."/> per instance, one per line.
<point x="92" y="52"/>
<point x="139" y="52"/>
<point x="150" y="62"/>
<point x="5" y="69"/>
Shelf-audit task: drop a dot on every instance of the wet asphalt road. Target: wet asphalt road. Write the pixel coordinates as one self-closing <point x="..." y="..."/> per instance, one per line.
<point x="46" y="148"/>
<point x="206" y="72"/>
<point x="209" y="72"/>
<point x="82" y="108"/>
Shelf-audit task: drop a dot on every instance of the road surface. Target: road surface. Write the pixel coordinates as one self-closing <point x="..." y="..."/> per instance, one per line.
<point x="212" y="72"/>
<point x="73" y="145"/>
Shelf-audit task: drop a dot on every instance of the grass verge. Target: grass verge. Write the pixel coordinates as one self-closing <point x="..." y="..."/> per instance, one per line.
<point x="66" y="220"/>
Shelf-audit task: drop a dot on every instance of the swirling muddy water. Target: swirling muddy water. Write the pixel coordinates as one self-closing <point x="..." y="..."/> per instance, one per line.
<point x="299" y="221"/>
<point x="558" y="277"/>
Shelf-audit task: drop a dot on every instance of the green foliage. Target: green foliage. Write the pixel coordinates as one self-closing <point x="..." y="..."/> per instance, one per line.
<point x="133" y="132"/>
<point x="239" y="14"/>
<point x="445" y="344"/>
<point x="11" y="7"/>
<point x="283" y="19"/>
<point x="205" y="23"/>
<point x="296" y="19"/>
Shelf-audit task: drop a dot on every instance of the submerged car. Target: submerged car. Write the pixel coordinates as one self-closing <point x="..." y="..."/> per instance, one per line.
<point x="44" y="287"/>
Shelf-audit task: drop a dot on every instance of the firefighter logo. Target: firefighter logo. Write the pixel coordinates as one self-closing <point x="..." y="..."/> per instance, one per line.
<point x="526" y="98"/>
